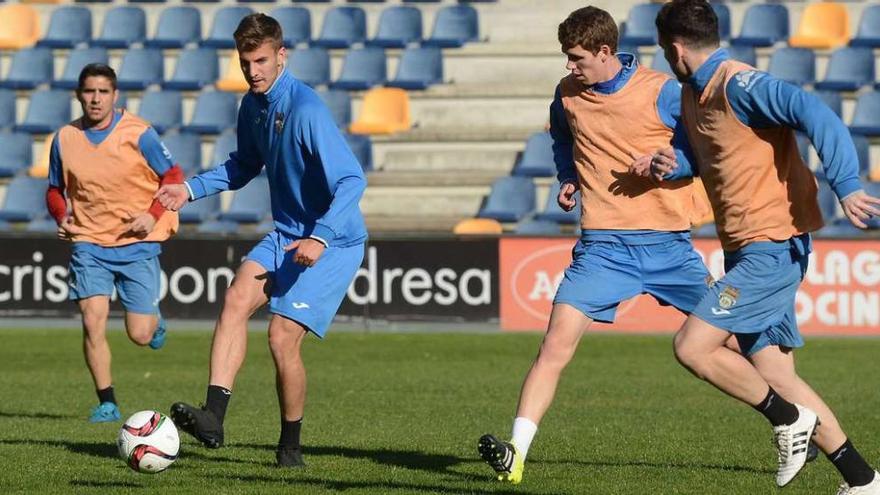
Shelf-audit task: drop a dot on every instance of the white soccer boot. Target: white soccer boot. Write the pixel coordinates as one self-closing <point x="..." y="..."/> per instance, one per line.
<point x="791" y="443"/>
<point x="872" y="488"/>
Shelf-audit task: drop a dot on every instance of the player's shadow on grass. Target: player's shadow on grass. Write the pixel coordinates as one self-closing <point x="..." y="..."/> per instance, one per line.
<point x="32" y="415"/>
<point x="105" y="484"/>
<point x="95" y="449"/>
<point x="658" y="465"/>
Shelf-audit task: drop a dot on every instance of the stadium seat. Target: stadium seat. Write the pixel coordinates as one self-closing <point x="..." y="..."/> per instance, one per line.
<point x="215" y="112"/>
<point x="848" y="69"/>
<point x="310" y="65"/>
<point x="383" y="111"/>
<point x="69" y="26"/>
<point x="537" y="228"/>
<point x="178" y="26"/>
<point x="48" y="110"/>
<point x="186" y="150"/>
<point x="362" y="148"/>
<point x="30" y="68"/>
<point x="296" y="24"/>
<point x="16" y="155"/>
<point x="76" y="60"/>
<point x="869" y="28"/>
<point x="399" y="26"/>
<point x="763" y="25"/>
<point x="722" y="12"/>
<point x="339" y="103"/>
<point x="660" y="64"/>
<point x="639" y="29"/>
<point x="122" y="27"/>
<point x="832" y="99"/>
<point x="866" y="118"/>
<point x="553" y="213"/>
<point x="162" y="109"/>
<point x="510" y="199"/>
<point x="7" y="108"/>
<point x="226" y="20"/>
<point x="454" y="25"/>
<point x="362" y="69"/>
<point x="226" y="143"/>
<point x="537" y="157"/>
<point x="203" y="210"/>
<point x="744" y="53"/>
<point x="195" y="68"/>
<point x="42" y="225"/>
<point x="795" y="65"/>
<point x="40" y="167"/>
<point x="823" y="25"/>
<point x="478" y="226"/>
<point x="233" y="81"/>
<point x="19" y="26"/>
<point x="141" y="68"/>
<point x="250" y="204"/>
<point x="342" y="27"/>
<point x="25" y="199"/>
<point x="217" y="227"/>
<point x="122" y="100"/>
<point x="419" y="68"/>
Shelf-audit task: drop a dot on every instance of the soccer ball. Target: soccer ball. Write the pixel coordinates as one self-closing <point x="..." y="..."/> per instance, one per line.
<point x="148" y="442"/>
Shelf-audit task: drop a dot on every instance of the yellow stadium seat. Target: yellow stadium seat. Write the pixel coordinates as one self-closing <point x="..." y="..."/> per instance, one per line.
<point x="40" y="168"/>
<point x="874" y="173"/>
<point x="233" y="81"/>
<point x="477" y="226"/>
<point x="384" y="111"/>
<point x="19" y="26"/>
<point x="823" y="25"/>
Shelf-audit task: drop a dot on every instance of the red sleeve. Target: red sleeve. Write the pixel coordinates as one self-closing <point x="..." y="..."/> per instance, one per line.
<point x="173" y="175"/>
<point x="56" y="204"/>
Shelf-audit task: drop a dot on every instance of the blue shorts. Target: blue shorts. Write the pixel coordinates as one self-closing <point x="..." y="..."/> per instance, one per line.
<point x="138" y="283"/>
<point x="604" y="274"/>
<point x="309" y="296"/>
<point x="755" y="298"/>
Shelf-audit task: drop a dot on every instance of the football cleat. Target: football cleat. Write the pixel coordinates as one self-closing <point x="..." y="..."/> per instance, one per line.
<point x="792" y="444"/>
<point x="872" y="488"/>
<point x="105" y="412"/>
<point x="289" y="457"/>
<point x="502" y="457"/>
<point x="158" y="339"/>
<point x="198" y="422"/>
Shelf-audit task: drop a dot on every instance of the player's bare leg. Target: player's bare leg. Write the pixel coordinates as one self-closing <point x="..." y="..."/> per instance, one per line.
<point x="141" y="327"/>
<point x="94" y="311"/>
<point x="285" y="341"/>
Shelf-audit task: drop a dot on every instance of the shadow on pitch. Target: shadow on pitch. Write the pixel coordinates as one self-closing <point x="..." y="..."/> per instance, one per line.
<point x="657" y="465"/>
<point x="105" y="484"/>
<point x="33" y="415"/>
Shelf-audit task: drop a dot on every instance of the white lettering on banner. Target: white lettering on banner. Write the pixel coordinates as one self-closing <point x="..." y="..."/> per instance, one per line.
<point x="866" y="268"/>
<point x="214" y="275"/>
<point x="839" y="308"/>
<point x="445" y="278"/>
<point x="416" y="279"/>
<point x="56" y="277"/>
<point x="484" y="295"/>
<point x="544" y="288"/>
<point x="198" y="285"/>
<point x="4" y="295"/>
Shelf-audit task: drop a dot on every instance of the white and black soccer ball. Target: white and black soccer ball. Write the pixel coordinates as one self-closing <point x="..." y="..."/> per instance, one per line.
<point x="148" y="442"/>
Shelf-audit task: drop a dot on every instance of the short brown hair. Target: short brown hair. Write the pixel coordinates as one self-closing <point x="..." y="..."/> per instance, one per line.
<point x="692" y="22"/>
<point x="96" y="70"/>
<point x="256" y="29"/>
<point x="590" y="27"/>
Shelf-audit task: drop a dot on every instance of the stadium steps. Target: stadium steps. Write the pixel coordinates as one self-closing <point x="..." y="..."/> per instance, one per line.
<point x="423" y="201"/>
<point x="495" y="157"/>
<point x="458" y="178"/>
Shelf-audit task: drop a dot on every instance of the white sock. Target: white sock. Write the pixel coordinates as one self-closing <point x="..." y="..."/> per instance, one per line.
<point x="523" y="432"/>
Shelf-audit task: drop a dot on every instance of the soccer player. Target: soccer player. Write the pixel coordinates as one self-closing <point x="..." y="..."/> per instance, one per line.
<point x="635" y="234"/>
<point x="740" y="123"/>
<point x="108" y="164"/>
<point x="304" y="267"/>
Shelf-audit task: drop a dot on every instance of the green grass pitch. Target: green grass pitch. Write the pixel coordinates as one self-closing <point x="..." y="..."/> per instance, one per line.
<point x="401" y="414"/>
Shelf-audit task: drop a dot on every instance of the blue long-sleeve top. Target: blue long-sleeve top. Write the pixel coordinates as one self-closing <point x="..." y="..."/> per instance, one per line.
<point x="760" y="101"/>
<point x="315" y="182"/>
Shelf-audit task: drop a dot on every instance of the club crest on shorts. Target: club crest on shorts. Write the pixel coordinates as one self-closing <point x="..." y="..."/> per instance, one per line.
<point x="710" y="281"/>
<point x="727" y="298"/>
<point x="279" y="122"/>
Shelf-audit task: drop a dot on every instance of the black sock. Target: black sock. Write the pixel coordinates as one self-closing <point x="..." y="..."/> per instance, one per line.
<point x="777" y="410"/>
<point x="106" y="395"/>
<point x="853" y="468"/>
<point x="290" y="433"/>
<point x="218" y="399"/>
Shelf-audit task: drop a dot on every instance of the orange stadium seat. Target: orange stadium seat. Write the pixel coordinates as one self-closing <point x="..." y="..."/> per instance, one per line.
<point x="477" y="226"/>
<point x="823" y="25"/>
<point x="384" y="111"/>
<point x="233" y="81"/>
<point x="19" y="26"/>
<point x="40" y="168"/>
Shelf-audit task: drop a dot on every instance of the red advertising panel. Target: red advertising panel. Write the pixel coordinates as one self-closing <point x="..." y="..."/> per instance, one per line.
<point x="840" y="294"/>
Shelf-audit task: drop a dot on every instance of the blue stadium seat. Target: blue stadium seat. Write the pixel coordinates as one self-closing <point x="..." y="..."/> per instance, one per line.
<point x="419" y="68"/>
<point x="744" y="53"/>
<point x="203" y="210"/>
<point x="833" y="99"/>
<point x="836" y="224"/>
<point x="42" y="225"/>
<point x="454" y="26"/>
<point x="7" y="108"/>
<point x="398" y="26"/>
<point x="217" y="227"/>
<point x="869" y="28"/>
<point x="722" y="12"/>
<point x="849" y="69"/>
<point x="141" y="68"/>
<point x="553" y="213"/>
<point x="510" y="199"/>
<point x="250" y="204"/>
<point x="68" y="27"/>
<point x="537" y="228"/>
<point x="48" y="110"/>
<point x="639" y="29"/>
<point x="186" y="149"/>
<point x="122" y="100"/>
<point x="537" y="157"/>
<point x="866" y="118"/>
<point x="362" y="148"/>
<point x="76" y="60"/>
<point x="178" y="26"/>
<point x="16" y="155"/>
<point x="795" y="65"/>
<point x="362" y="69"/>
<point x="30" y="68"/>
<point x="122" y="27"/>
<point x="162" y="109"/>
<point x="339" y="103"/>
<point x="763" y="25"/>
<point x="226" y="20"/>
<point x="342" y="27"/>
<point x="25" y="199"/>
<point x="863" y="151"/>
<point x="310" y="65"/>
<point x="296" y="24"/>
<point x="660" y="64"/>
<point x="195" y="68"/>
<point x="226" y="143"/>
<point x="215" y="112"/>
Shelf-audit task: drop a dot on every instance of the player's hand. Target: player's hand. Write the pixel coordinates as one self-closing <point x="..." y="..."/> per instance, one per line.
<point x="172" y="196"/>
<point x="860" y="207"/>
<point x="663" y="163"/>
<point x="141" y="225"/>
<point x="641" y="165"/>
<point x="67" y="229"/>
<point x="307" y="251"/>
<point x="566" y="196"/>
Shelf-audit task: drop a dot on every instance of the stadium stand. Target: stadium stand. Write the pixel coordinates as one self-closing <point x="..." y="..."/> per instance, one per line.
<point x="339" y="103"/>
<point x="511" y="199"/>
<point x="24" y="200"/>
<point x="823" y="25"/>
<point x="40" y="168"/>
<point x="553" y="213"/>
<point x="866" y="118"/>
<point x="868" y="33"/>
<point x="310" y="65"/>
<point x="226" y="143"/>
<point x="195" y="212"/>
<point x="215" y="112"/>
<point x="79" y="58"/>
<point x="250" y="204"/>
<point x="362" y="69"/>
<point x="399" y="26"/>
<point x="296" y="24"/>
<point x="16" y="156"/>
<point x="141" y="68"/>
<point x="763" y="25"/>
<point x="47" y="110"/>
<point x="537" y="158"/>
<point x="30" y="68"/>
<point x="123" y="26"/>
<point x="639" y="29"/>
<point x="537" y="228"/>
<point x="7" y="108"/>
<point x="225" y="21"/>
<point x="69" y="26"/>
<point x="195" y="68"/>
<point x="233" y="80"/>
<point x="418" y="68"/>
<point x="186" y="149"/>
<point x="362" y="148"/>
<point x="849" y="69"/>
<point x="478" y="226"/>
<point x="162" y="109"/>
<point x="178" y="26"/>
<point x="342" y="27"/>
<point x="19" y="26"/>
<point x="454" y="26"/>
<point x="795" y="65"/>
<point x="383" y="111"/>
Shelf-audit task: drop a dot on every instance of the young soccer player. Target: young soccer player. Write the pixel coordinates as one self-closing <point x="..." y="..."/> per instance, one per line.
<point x="108" y="164"/>
<point x="740" y="123"/>
<point x="304" y="267"/>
